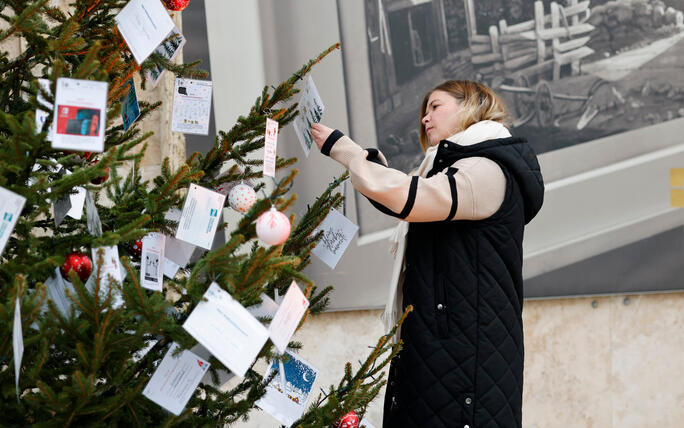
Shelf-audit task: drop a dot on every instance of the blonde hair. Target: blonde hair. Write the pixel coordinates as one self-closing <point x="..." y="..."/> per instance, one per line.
<point x="478" y="102"/>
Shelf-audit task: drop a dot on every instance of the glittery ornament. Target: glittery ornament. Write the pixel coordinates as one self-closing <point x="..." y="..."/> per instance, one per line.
<point x="273" y="227"/>
<point x="176" y="5"/>
<point x="350" y="420"/>
<point x="79" y="263"/>
<point x="242" y="197"/>
<point x="136" y="248"/>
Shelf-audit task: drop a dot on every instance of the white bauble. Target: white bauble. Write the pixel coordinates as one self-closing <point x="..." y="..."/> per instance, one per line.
<point x="242" y="197"/>
<point x="273" y="227"/>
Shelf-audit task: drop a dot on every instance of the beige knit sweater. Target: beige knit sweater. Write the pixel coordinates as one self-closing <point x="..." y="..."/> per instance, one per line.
<point x="480" y="185"/>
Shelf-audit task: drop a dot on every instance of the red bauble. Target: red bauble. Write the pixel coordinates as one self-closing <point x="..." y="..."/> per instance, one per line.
<point x="79" y="263"/>
<point x="176" y="5"/>
<point x="101" y="179"/>
<point x="136" y="248"/>
<point x="350" y="420"/>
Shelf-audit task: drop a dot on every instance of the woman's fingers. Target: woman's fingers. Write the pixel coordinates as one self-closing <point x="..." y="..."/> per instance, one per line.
<point x="320" y="133"/>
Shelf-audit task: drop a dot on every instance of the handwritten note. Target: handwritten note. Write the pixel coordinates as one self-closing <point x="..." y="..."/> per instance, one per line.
<point x="338" y="232"/>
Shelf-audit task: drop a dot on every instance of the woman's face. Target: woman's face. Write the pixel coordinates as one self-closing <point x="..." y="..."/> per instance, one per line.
<point x="441" y="116"/>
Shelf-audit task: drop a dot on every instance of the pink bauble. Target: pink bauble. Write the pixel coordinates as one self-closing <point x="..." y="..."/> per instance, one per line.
<point x="242" y="197"/>
<point x="273" y="227"/>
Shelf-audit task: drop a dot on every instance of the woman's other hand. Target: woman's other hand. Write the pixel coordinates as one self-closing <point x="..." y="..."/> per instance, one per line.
<point x="320" y="133"/>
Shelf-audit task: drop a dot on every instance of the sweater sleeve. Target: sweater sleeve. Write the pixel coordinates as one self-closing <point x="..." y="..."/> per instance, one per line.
<point x="470" y="189"/>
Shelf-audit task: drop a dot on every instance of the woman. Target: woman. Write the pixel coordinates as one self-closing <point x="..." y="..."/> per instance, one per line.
<point x="460" y="261"/>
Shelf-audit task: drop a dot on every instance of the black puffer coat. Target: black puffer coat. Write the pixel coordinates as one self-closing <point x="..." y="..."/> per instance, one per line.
<point x="462" y="360"/>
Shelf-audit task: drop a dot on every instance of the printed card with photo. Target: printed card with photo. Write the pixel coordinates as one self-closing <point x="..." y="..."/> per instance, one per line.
<point x="143" y="24"/>
<point x="338" y="232"/>
<point x="176" y="379"/>
<point x="270" y="144"/>
<point x="80" y="109"/>
<point x="169" y="49"/>
<point x="152" y="261"/>
<point x="191" y="106"/>
<point x="288" y="393"/>
<point x="223" y="326"/>
<point x="200" y="217"/>
<point x="310" y="111"/>
<point x="11" y="205"/>
<point x="286" y="319"/>
<point x="130" y="110"/>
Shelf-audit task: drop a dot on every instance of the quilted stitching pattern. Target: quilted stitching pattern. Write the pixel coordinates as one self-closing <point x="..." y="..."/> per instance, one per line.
<point x="476" y="273"/>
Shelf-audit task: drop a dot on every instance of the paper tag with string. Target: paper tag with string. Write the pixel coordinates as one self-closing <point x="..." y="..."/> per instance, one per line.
<point x="270" y="143"/>
<point x="92" y="217"/>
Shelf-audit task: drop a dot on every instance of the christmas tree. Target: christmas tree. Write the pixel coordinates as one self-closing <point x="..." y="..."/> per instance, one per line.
<point x="87" y="362"/>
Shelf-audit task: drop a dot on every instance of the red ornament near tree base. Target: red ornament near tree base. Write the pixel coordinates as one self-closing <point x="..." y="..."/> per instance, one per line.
<point x="136" y="248"/>
<point x="176" y="5"/>
<point x="350" y="420"/>
<point x="79" y="263"/>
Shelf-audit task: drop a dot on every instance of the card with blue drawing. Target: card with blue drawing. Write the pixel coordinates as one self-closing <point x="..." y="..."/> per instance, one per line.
<point x="199" y="218"/>
<point x="130" y="110"/>
<point x="288" y="393"/>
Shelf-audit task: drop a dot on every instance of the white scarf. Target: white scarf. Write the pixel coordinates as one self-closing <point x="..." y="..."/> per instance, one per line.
<point x="476" y="133"/>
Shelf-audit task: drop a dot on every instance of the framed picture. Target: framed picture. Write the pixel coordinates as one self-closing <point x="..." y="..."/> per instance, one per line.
<point x="594" y="86"/>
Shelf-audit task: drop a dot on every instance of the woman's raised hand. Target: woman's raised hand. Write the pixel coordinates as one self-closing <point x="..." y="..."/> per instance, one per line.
<point x="320" y="133"/>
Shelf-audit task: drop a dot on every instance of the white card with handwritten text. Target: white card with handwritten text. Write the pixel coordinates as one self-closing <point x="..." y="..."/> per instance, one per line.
<point x="338" y="232"/>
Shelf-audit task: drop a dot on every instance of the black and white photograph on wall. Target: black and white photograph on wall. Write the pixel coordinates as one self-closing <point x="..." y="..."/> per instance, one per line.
<point x="569" y="71"/>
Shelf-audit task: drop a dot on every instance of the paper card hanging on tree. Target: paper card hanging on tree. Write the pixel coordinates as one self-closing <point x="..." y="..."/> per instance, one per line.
<point x="266" y="309"/>
<point x="191" y="106"/>
<point x="43" y="113"/>
<point x="130" y="110"/>
<point x="17" y="343"/>
<point x="175" y="379"/>
<point x="169" y="49"/>
<point x="270" y="144"/>
<point x="288" y="393"/>
<point x="110" y="263"/>
<point x="92" y="217"/>
<point x="77" y="202"/>
<point x="199" y="219"/>
<point x="223" y="326"/>
<point x="80" y="107"/>
<point x="60" y="208"/>
<point x="117" y="298"/>
<point x="11" y="205"/>
<point x="143" y="24"/>
<point x="287" y="318"/>
<point x="338" y="232"/>
<point x="310" y="111"/>
<point x="152" y="261"/>
<point x="57" y="292"/>
<point x="170" y="268"/>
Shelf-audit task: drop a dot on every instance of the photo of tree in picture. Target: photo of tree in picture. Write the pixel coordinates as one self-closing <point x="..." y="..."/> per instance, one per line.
<point x="569" y="71"/>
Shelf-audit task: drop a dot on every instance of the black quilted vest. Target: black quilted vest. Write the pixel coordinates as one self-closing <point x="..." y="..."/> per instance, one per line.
<point x="462" y="360"/>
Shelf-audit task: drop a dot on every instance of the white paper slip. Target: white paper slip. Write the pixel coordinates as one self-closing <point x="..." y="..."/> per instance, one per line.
<point x="286" y="319"/>
<point x="80" y="115"/>
<point x="200" y="216"/>
<point x="176" y="379"/>
<point x="338" y="232"/>
<point x="77" y="203"/>
<point x="117" y="298"/>
<point x="223" y="326"/>
<point x="170" y="268"/>
<point x="270" y="144"/>
<point x="191" y="106"/>
<point x="110" y="263"/>
<point x="266" y="309"/>
<point x="17" y="343"/>
<point x="143" y="24"/>
<point x="310" y="111"/>
<point x="57" y="292"/>
<point x="177" y="251"/>
<point x="169" y="49"/>
<point x="365" y="424"/>
<point x="152" y="261"/>
<point x="43" y="113"/>
<point x="11" y="205"/>
<point x="288" y="393"/>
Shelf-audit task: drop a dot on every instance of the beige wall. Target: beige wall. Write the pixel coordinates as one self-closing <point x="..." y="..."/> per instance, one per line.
<point x="618" y="364"/>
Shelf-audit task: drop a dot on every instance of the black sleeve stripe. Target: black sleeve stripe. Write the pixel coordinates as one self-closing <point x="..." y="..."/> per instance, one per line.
<point x="454" y="197"/>
<point x="413" y="189"/>
<point x="383" y="209"/>
<point x="451" y="171"/>
<point x="330" y="142"/>
<point x="374" y="156"/>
